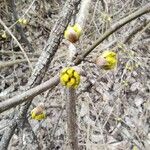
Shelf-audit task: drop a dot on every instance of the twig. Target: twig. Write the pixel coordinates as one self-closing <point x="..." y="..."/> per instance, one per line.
<point x="135" y="31"/>
<point x="8" y="30"/>
<point x="72" y="129"/>
<point x="83" y="13"/>
<point x="56" y="125"/>
<point x="112" y="29"/>
<point x="11" y="63"/>
<point x="29" y="132"/>
<point x="18" y="26"/>
<point x="23" y="14"/>
<point x="3" y="52"/>
<point x="8" y="134"/>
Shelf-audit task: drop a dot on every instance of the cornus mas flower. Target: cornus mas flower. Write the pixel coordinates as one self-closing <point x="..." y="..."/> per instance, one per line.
<point x="69" y="78"/>
<point x="107" y="60"/>
<point x="38" y="113"/>
<point x="73" y="33"/>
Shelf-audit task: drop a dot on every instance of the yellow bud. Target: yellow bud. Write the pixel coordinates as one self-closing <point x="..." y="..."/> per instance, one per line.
<point x="106" y="17"/>
<point x="70" y="72"/>
<point x="4" y="35"/>
<point x="73" y="33"/>
<point x="135" y="148"/>
<point x="137" y="65"/>
<point x="65" y="77"/>
<point x="107" y="60"/>
<point x="23" y="21"/>
<point x="20" y="20"/>
<point x="118" y="119"/>
<point x="125" y="83"/>
<point x="38" y="113"/>
<point x="77" y="29"/>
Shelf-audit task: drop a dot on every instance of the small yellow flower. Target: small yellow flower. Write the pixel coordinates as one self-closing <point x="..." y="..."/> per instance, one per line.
<point x="23" y="21"/>
<point x="118" y="119"/>
<point x="69" y="78"/>
<point x="135" y="148"/>
<point x="73" y="33"/>
<point x="129" y="67"/>
<point x="137" y="65"/>
<point x="4" y="35"/>
<point x="38" y="113"/>
<point x="125" y="83"/>
<point x="106" y="17"/>
<point x="108" y="60"/>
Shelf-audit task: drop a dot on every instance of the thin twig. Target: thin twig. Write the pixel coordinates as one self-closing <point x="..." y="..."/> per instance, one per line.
<point x="8" y="30"/>
<point x="24" y="13"/>
<point x="18" y="26"/>
<point x="4" y="52"/>
<point x="15" y="62"/>
<point x="112" y="29"/>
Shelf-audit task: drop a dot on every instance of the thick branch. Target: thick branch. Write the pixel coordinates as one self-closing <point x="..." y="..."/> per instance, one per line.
<point x="72" y="128"/>
<point x="72" y="120"/>
<point x="16" y="100"/>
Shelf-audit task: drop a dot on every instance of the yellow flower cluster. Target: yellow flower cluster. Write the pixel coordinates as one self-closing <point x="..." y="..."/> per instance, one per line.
<point x="70" y="78"/>
<point x="108" y="60"/>
<point x="73" y="33"/>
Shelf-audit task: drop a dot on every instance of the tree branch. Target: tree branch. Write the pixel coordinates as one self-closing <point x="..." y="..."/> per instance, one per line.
<point x="72" y="128"/>
<point x="26" y="96"/>
<point x="115" y="27"/>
